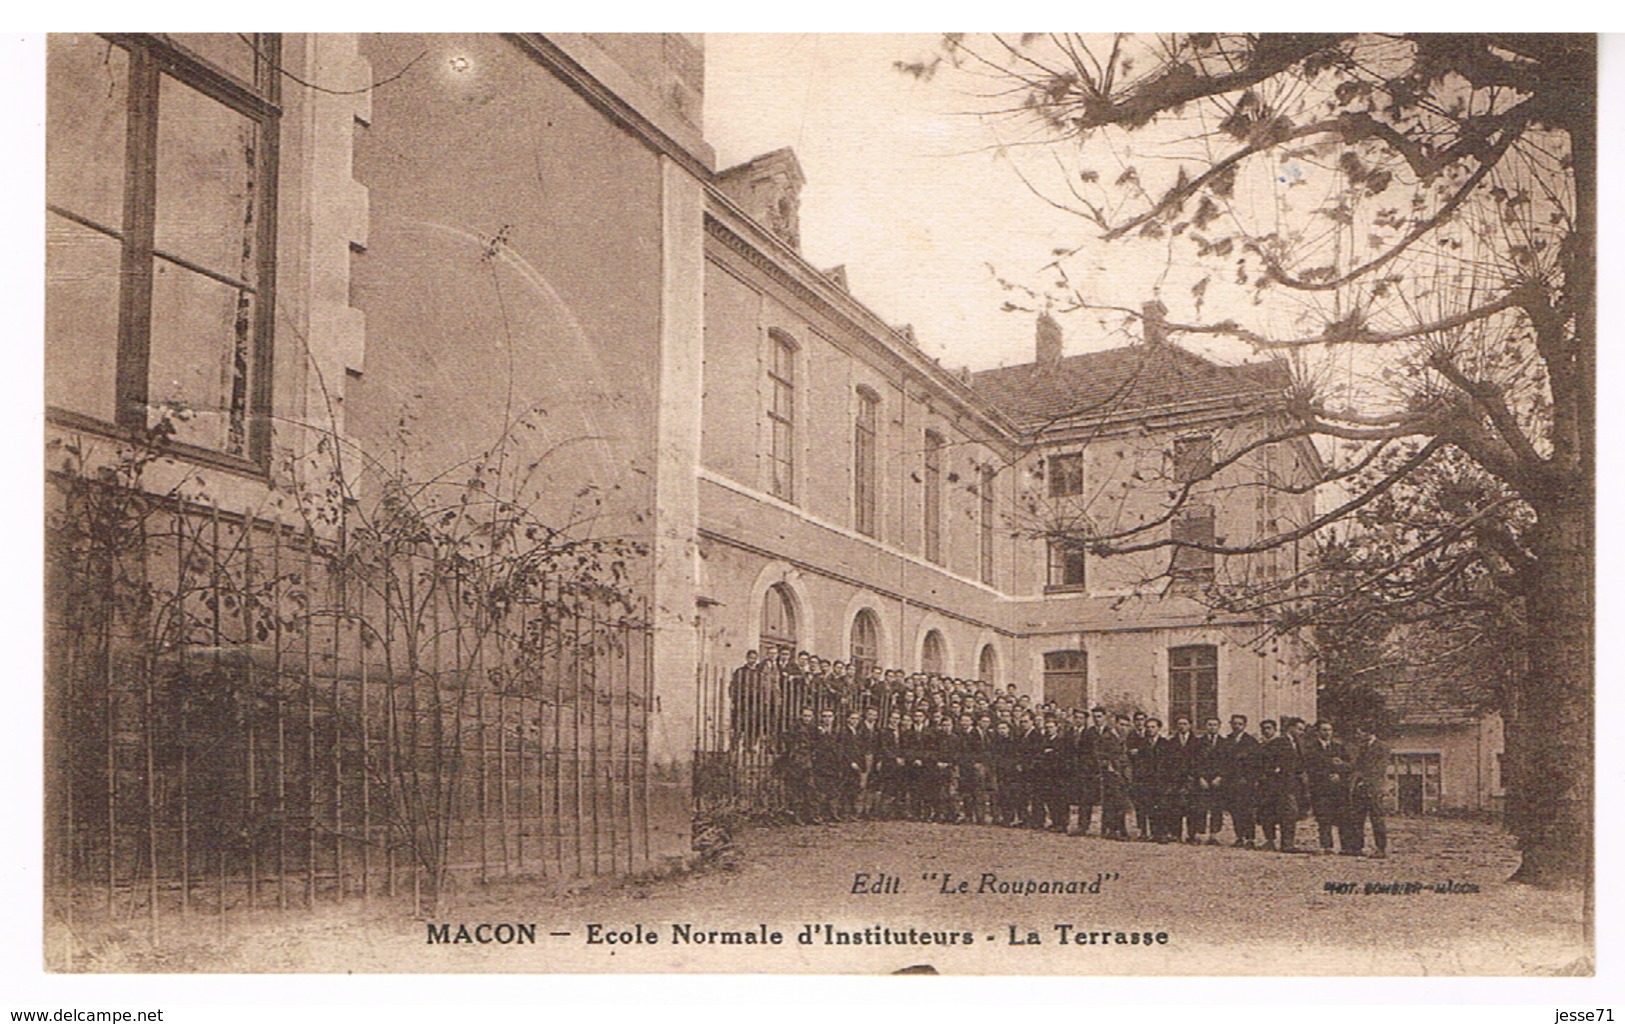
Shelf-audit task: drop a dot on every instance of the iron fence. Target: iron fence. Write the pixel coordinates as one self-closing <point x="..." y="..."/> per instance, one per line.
<point x="243" y="716"/>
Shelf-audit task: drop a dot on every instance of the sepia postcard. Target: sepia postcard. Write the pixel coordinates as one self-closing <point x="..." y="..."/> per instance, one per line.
<point x="1029" y="504"/>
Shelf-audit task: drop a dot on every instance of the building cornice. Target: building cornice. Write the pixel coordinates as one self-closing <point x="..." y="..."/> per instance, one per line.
<point x="743" y="236"/>
<point x="735" y="229"/>
<point x="609" y="102"/>
<point x="730" y="226"/>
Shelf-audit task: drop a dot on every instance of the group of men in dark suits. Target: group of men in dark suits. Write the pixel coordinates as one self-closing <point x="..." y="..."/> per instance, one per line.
<point x="924" y="748"/>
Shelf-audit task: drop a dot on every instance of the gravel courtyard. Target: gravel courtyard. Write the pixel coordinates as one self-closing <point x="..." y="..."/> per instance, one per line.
<point x="1439" y="905"/>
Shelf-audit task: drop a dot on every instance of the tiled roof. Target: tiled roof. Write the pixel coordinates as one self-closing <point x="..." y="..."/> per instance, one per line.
<point x="1121" y="382"/>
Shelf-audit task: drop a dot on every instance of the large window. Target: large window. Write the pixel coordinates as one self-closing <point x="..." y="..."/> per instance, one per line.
<point x="160" y="192"/>
<point x="933" y="654"/>
<point x="985" y="491"/>
<point x="864" y="497"/>
<point x="1065" y="475"/>
<point x="781" y="414"/>
<point x="1193" y="682"/>
<point x="865" y="640"/>
<point x="1066" y="564"/>
<point x="778" y="621"/>
<point x="1193" y="525"/>
<point x="1193" y="458"/>
<point x="1066" y="678"/>
<point x="1414" y="783"/>
<point x="933" y="496"/>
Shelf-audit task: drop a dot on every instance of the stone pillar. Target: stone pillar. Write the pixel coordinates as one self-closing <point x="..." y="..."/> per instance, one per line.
<point x="676" y="514"/>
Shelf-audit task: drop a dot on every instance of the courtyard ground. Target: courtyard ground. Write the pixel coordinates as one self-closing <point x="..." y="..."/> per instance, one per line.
<point x="1439" y="905"/>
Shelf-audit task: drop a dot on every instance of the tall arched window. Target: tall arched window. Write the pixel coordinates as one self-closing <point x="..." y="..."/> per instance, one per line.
<point x="985" y="527"/>
<point x="933" y="497"/>
<point x="781" y="415"/>
<point x="865" y="498"/>
<point x="778" y="621"/>
<point x="987" y="665"/>
<point x="865" y="640"/>
<point x="933" y="658"/>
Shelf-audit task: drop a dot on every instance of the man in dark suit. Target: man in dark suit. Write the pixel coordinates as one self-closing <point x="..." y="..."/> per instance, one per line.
<point x="1054" y="758"/>
<point x="829" y="764"/>
<point x="1178" y="777"/>
<point x="1243" y="767"/>
<point x="1029" y="745"/>
<point x="1005" y="758"/>
<point x="1325" y="761"/>
<point x="1145" y="781"/>
<point x="795" y="768"/>
<point x="741" y="690"/>
<point x="1207" y="781"/>
<point x="944" y="765"/>
<point x="869" y="744"/>
<point x="974" y="741"/>
<point x="887" y="776"/>
<point x="1368" y="775"/>
<point x="1086" y="773"/>
<point x="1134" y="741"/>
<point x="1111" y="757"/>
<point x="1283" y="776"/>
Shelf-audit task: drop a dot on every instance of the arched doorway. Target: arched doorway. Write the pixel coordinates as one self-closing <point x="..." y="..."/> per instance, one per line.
<point x="865" y="650"/>
<point x="778" y="621"/>
<point x="987" y="665"/>
<point x="933" y="656"/>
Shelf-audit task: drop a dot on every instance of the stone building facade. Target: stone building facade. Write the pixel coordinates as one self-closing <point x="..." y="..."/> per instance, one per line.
<point x="859" y="501"/>
<point x="401" y="246"/>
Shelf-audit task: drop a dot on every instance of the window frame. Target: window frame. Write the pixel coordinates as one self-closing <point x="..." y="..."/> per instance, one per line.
<point x="934" y="653"/>
<point x="931" y="523"/>
<point x="781" y="414"/>
<point x="1190" y="691"/>
<point x="985" y="559"/>
<point x="1068" y="484"/>
<point x="151" y="58"/>
<point x="788" y="639"/>
<point x="865" y="456"/>
<point x="1192" y="458"/>
<point x="1057" y="552"/>
<point x="1066" y="665"/>
<point x="1188" y="563"/>
<point x="864" y="646"/>
<point x="989" y="653"/>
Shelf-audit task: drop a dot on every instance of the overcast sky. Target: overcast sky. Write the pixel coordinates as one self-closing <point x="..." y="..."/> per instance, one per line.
<point x="903" y="186"/>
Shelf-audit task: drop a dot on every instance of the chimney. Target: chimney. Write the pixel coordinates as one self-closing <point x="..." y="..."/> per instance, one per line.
<point x="1154" y="323"/>
<point x="1049" y="340"/>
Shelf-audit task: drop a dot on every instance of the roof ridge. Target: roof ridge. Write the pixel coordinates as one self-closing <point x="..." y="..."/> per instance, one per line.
<point x="1123" y="379"/>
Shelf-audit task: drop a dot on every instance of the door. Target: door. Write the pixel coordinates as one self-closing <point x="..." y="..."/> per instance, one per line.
<point x="1410" y="794"/>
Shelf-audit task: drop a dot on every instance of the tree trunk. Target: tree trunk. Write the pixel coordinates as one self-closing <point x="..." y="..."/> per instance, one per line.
<point x="1550" y="726"/>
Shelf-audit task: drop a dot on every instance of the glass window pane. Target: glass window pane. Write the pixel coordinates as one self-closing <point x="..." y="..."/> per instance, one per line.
<point x="81" y="318"/>
<point x="1193" y="458"/>
<point x="201" y="353"/>
<point x="1066" y="475"/>
<point x="87" y="107"/>
<point x="230" y="51"/>
<point x="784" y="360"/>
<point x="207" y="181"/>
